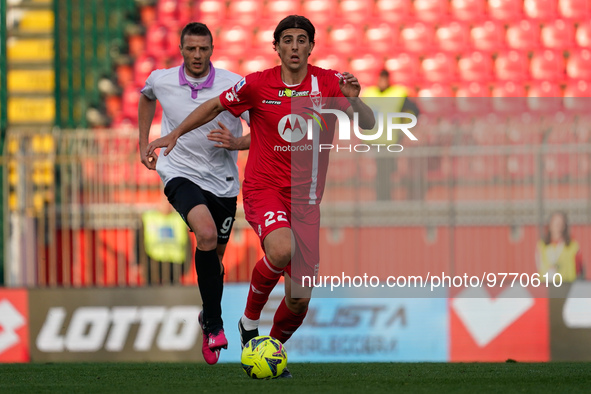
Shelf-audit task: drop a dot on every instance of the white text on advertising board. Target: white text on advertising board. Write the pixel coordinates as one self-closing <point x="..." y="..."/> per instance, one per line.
<point x="92" y="328"/>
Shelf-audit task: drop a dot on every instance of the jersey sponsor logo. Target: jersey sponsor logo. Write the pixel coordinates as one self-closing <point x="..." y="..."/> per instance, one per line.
<point x="91" y="329"/>
<point x="293" y="93"/>
<point x="230" y="96"/>
<point x="292" y="128"/>
<point x="339" y="75"/>
<point x="293" y="148"/>
<point x="240" y="84"/>
<point x="272" y="102"/>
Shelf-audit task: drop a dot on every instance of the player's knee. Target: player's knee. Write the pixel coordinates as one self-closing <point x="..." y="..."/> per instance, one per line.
<point x="207" y="238"/>
<point x="279" y="255"/>
<point x="297" y="305"/>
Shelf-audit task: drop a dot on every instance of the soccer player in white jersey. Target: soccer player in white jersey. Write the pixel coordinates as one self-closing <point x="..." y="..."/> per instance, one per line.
<point x="201" y="180"/>
<point x="285" y="172"/>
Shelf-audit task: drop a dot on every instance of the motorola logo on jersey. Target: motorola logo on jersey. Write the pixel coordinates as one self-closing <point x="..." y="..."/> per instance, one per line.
<point x="292" y="128"/>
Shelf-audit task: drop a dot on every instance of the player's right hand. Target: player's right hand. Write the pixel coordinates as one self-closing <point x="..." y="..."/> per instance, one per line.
<point x="148" y="161"/>
<point x="168" y="142"/>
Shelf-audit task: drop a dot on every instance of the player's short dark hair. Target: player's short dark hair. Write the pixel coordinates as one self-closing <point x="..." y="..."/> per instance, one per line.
<point x="384" y="73"/>
<point x="195" y="29"/>
<point x="294" y="22"/>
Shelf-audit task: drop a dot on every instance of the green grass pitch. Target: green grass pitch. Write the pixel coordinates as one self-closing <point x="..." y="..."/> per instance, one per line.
<point x="315" y="378"/>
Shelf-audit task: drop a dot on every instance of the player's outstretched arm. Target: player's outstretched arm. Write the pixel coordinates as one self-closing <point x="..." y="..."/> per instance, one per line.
<point x="200" y="115"/>
<point x="351" y="88"/>
<point x="225" y="139"/>
<point x="146" y="110"/>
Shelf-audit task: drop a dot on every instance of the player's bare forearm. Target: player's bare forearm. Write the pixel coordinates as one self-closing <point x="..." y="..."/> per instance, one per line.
<point x="243" y="143"/>
<point x="146" y="110"/>
<point x="351" y="88"/>
<point x="367" y="119"/>
<point x="200" y="115"/>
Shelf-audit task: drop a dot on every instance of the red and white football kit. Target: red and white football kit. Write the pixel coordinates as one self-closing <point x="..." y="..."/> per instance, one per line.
<point x="286" y="171"/>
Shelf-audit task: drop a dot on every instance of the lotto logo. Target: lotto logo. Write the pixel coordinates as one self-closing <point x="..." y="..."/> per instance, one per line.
<point x="92" y="328"/>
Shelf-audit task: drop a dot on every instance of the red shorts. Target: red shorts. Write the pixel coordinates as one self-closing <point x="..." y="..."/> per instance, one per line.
<point x="267" y="211"/>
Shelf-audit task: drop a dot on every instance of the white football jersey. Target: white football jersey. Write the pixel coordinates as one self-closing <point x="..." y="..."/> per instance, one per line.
<point x="195" y="157"/>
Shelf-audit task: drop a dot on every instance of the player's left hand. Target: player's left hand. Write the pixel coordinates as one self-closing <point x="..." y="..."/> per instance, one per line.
<point x="349" y="85"/>
<point x="223" y="138"/>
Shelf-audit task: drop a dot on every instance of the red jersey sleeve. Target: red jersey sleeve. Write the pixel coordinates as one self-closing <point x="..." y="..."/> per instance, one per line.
<point x="238" y="98"/>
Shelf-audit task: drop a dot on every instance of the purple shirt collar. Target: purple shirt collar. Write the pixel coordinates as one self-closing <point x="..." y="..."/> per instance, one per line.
<point x="196" y="88"/>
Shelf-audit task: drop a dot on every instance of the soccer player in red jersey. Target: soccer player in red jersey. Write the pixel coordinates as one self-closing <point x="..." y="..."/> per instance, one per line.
<point x="285" y="172"/>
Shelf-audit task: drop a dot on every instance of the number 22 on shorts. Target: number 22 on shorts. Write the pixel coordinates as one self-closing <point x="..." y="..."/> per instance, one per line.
<point x="272" y="217"/>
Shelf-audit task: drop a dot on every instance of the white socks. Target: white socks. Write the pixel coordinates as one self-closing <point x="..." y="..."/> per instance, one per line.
<point x="249" y="324"/>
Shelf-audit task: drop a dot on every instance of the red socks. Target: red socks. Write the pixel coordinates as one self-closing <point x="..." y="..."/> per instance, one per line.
<point x="264" y="278"/>
<point x="285" y="322"/>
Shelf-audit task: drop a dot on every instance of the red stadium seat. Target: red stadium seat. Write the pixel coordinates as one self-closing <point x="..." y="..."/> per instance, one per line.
<point x="148" y="15"/>
<point x="468" y="10"/>
<point x="488" y="36"/>
<point x="473" y="89"/>
<point x="583" y="35"/>
<point x="575" y="9"/>
<point x="156" y="40"/>
<point x="544" y="97"/>
<point x="524" y="35"/>
<point x="436" y="99"/>
<point x="125" y="74"/>
<point x="279" y="9"/>
<point x="346" y="38"/>
<point x="578" y="65"/>
<point x="136" y="44"/>
<point x="476" y="66"/>
<point x="436" y="90"/>
<point x="245" y="12"/>
<point x="417" y="37"/>
<point x="356" y="11"/>
<point x="431" y="10"/>
<point x="512" y="65"/>
<point x="509" y="97"/>
<point x="577" y="96"/>
<point x="113" y="106"/>
<point x="210" y="12"/>
<point x="227" y="62"/>
<point x="393" y="10"/>
<point x="237" y="39"/>
<point x="321" y="12"/>
<point x="404" y="68"/>
<point x="366" y="68"/>
<point x="257" y="62"/>
<point x="439" y="67"/>
<point x="473" y="97"/>
<point x="173" y="42"/>
<point x="129" y="101"/>
<point x="505" y="10"/>
<point x="540" y="9"/>
<point x="452" y="37"/>
<point x="382" y="37"/>
<point x="185" y="13"/>
<point x="263" y="37"/>
<point x="559" y="34"/>
<point x="167" y="12"/>
<point x="332" y="61"/>
<point x="547" y="65"/>
<point x="142" y="68"/>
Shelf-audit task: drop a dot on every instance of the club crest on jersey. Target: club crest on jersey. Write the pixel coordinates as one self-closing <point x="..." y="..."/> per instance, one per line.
<point x="292" y="128"/>
<point x="293" y="93"/>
